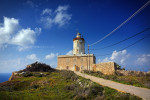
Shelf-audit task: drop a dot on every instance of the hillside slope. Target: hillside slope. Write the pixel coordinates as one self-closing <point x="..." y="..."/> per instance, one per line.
<point x="57" y="85"/>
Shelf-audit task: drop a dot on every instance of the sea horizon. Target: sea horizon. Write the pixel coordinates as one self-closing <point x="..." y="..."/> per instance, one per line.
<point x="4" y="77"/>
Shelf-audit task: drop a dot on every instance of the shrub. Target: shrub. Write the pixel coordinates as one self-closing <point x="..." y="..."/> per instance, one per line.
<point x="118" y="66"/>
<point x="71" y="87"/>
<point x="85" y="71"/>
<point x="100" y="73"/>
<point x="69" y="75"/>
<point x="27" y="74"/>
<point x="96" y="90"/>
<point x="147" y="84"/>
<point x="39" y="75"/>
<point x="113" y="77"/>
<point x="89" y="92"/>
<point x="35" y="86"/>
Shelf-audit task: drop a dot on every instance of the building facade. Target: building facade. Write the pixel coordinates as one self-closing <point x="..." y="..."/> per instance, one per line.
<point x="79" y="61"/>
<point x="76" y="62"/>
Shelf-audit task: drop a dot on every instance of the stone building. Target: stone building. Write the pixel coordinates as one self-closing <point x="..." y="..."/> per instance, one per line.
<point x="79" y="61"/>
<point x="76" y="62"/>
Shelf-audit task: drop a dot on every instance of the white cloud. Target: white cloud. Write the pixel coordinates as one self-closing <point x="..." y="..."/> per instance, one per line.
<point x="61" y="8"/>
<point x="69" y="52"/>
<point x="24" y="37"/>
<point x="22" y="48"/>
<point x="32" y="57"/>
<point x="106" y="60"/>
<point x="143" y="60"/>
<point x="11" y="65"/>
<point x="119" y="57"/>
<point x="37" y="30"/>
<point x="51" y="56"/>
<point x="31" y="4"/>
<point x="62" y="17"/>
<point x="47" y="22"/>
<point x="15" y="64"/>
<point x="7" y="29"/>
<point x="148" y="55"/>
<point x="11" y="33"/>
<point x="99" y="60"/>
<point x="58" y="17"/>
<point x="47" y="11"/>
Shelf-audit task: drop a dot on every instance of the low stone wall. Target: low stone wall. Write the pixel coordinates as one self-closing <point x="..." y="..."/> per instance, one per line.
<point x="132" y="73"/>
<point x="107" y="68"/>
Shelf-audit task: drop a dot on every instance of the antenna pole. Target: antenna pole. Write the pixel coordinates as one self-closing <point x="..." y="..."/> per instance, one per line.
<point x="89" y="58"/>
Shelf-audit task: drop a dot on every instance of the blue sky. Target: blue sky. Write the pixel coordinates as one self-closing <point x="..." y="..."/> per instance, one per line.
<point x="32" y="30"/>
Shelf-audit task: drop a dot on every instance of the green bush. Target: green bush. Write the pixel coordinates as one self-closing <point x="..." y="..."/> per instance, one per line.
<point x="39" y="74"/>
<point x="27" y="74"/>
<point x="69" y="75"/>
<point x="35" y="86"/>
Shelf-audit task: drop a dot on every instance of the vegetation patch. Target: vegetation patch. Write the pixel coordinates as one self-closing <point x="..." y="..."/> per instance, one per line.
<point x="57" y="85"/>
<point x="139" y="81"/>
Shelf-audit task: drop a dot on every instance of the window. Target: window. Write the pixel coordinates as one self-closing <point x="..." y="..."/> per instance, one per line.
<point x="67" y="67"/>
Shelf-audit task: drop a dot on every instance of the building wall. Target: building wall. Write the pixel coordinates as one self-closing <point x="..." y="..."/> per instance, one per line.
<point x="78" y="47"/>
<point x="79" y="63"/>
<point x="75" y="62"/>
<point x="107" y="68"/>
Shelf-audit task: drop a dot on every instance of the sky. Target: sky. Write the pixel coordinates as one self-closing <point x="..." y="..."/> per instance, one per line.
<point x="40" y="30"/>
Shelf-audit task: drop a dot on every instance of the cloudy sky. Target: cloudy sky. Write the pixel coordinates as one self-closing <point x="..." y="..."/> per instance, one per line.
<point x="40" y="30"/>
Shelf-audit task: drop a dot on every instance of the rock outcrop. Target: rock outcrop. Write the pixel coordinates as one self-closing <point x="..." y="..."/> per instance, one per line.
<point x="34" y="67"/>
<point x="38" y="67"/>
<point x="13" y="76"/>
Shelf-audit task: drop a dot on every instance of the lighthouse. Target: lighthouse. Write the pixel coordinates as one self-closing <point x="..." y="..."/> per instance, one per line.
<point x="80" y="61"/>
<point x="78" y="45"/>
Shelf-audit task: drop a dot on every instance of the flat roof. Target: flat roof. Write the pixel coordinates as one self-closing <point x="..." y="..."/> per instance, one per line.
<point x="80" y="55"/>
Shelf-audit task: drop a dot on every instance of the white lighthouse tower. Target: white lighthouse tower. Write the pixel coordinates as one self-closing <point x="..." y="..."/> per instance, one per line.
<point x="78" y="45"/>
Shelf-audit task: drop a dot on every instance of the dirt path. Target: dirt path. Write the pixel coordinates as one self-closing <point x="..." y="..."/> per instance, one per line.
<point x="140" y="92"/>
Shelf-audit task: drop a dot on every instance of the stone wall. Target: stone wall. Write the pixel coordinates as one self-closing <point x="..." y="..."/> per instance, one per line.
<point x="132" y="73"/>
<point x="107" y="68"/>
<point x="75" y="62"/>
